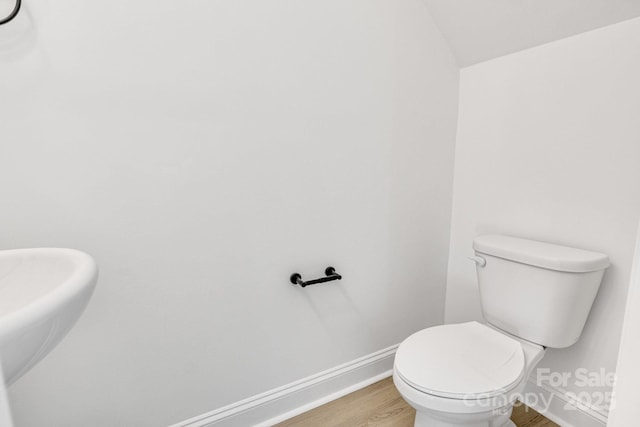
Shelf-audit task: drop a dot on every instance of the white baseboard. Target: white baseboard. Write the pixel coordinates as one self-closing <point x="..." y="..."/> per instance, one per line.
<point x="282" y="403"/>
<point x="559" y="407"/>
<point x="279" y="404"/>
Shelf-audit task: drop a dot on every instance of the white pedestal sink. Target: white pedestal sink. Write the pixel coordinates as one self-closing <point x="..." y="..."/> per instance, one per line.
<point x="43" y="292"/>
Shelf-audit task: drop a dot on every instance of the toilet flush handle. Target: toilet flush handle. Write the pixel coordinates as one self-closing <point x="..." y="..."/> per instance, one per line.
<point x="478" y="260"/>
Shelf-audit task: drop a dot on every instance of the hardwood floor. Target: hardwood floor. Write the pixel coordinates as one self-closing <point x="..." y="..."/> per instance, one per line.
<point x="380" y="405"/>
<point x="524" y="416"/>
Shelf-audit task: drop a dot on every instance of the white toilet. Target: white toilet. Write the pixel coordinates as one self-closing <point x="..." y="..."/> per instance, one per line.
<point x="533" y="295"/>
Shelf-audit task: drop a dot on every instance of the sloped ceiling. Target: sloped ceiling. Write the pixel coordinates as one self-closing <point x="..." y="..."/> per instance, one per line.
<point x="478" y="30"/>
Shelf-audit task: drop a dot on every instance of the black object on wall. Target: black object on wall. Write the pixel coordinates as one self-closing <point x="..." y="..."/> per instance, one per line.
<point x="13" y="13"/>
<point x="330" y="272"/>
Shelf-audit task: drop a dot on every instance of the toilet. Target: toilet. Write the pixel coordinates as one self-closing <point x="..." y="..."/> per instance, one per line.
<point x="533" y="295"/>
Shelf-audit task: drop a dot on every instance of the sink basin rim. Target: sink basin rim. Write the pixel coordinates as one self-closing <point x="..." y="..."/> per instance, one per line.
<point x="83" y="279"/>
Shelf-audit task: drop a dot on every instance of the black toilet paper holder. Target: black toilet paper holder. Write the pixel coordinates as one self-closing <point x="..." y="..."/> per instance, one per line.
<point x="12" y="14"/>
<point x="330" y="273"/>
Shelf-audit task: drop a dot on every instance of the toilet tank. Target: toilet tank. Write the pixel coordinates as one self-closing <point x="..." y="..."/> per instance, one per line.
<point x="537" y="291"/>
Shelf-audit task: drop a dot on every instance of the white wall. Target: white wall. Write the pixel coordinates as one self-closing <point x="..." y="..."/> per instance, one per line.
<point x="547" y="148"/>
<point x="481" y="30"/>
<point x="624" y="409"/>
<point x="203" y="151"/>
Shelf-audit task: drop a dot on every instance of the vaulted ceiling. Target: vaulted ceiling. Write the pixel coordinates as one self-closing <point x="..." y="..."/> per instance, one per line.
<point x="478" y="30"/>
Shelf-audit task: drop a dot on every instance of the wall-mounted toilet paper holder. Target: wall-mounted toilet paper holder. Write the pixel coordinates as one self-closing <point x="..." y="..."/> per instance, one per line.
<point x="330" y="272"/>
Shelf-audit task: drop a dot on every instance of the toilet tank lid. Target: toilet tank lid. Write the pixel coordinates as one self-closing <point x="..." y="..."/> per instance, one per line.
<point x="540" y="254"/>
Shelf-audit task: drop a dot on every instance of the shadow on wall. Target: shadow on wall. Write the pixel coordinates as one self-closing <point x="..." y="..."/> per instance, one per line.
<point x="18" y="36"/>
<point x="24" y="63"/>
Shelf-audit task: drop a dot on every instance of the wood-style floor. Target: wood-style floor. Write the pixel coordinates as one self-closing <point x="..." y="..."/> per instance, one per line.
<point x="380" y="405"/>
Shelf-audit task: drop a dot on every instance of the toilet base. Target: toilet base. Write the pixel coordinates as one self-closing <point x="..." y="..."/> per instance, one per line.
<point x="433" y="411"/>
<point x="424" y="419"/>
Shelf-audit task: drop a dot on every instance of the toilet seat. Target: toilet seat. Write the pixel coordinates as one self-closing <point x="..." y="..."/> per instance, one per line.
<point x="462" y="361"/>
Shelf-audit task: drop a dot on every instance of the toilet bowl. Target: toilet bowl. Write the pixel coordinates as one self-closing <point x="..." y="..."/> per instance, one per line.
<point x="533" y="295"/>
<point x="467" y="374"/>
